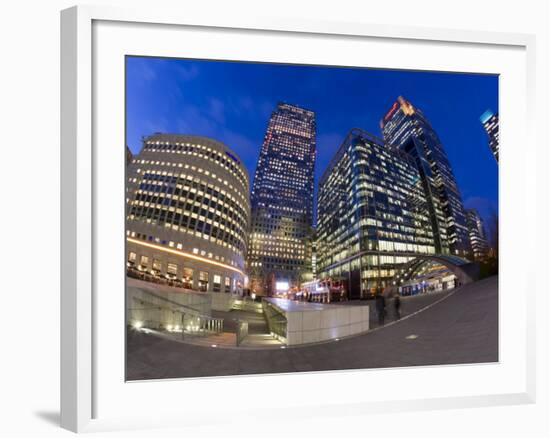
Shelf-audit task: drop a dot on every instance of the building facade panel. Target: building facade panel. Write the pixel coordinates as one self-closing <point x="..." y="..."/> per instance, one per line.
<point x="188" y="213"/>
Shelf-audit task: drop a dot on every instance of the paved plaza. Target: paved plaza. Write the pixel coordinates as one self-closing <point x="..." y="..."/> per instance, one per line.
<point x="453" y="328"/>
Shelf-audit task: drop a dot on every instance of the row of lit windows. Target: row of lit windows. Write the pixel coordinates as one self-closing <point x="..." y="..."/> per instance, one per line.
<point x="257" y="243"/>
<point x="284" y="208"/>
<point x="197" y="217"/>
<point x="241" y="194"/>
<point x="269" y="261"/>
<point x="202" y="151"/>
<point x="274" y="253"/>
<point x="196" y="208"/>
<point x="194" y="218"/>
<point x="180" y="246"/>
<point x="191" y="201"/>
<point x="192" y="183"/>
<point x="239" y="177"/>
<point x="178" y="272"/>
<point x="223" y="242"/>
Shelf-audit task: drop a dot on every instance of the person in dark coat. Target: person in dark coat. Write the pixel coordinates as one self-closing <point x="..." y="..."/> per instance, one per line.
<point x="380" y="307"/>
<point x="397" y="306"/>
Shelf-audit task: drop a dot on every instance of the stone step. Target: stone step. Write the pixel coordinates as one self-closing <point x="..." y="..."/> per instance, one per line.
<point x="224" y="340"/>
<point x="247" y="306"/>
<point x="260" y="340"/>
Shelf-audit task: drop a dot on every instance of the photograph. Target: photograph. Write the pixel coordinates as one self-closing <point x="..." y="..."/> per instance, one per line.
<point x="307" y="219"/>
<point x="288" y="218"/>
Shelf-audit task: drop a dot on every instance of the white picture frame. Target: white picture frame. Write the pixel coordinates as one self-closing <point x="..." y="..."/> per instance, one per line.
<point x="80" y="370"/>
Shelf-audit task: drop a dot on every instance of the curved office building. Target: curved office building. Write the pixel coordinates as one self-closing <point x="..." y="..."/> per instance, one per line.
<point x="188" y="213"/>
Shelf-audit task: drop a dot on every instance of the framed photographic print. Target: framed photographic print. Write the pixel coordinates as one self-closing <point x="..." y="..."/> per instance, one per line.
<point x="321" y="214"/>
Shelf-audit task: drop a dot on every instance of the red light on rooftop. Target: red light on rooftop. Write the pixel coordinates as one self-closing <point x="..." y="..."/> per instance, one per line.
<point x="391" y="112"/>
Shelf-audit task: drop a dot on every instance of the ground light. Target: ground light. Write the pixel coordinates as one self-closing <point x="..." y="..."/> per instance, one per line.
<point x="411" y="337"/>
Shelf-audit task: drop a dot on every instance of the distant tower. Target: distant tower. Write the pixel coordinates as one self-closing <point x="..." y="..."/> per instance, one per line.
<point x="406" y="127"/>
<point x="490" y="123"/>
<point x="478" y="239"/>
<point x="282" y="202"/>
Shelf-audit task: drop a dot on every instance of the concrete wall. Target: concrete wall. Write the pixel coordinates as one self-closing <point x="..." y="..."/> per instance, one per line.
<point x="223" y="301"/>
<point x="314" y="322"/>
<point x="156" y="306"/>
<point x="329" y="323"/>
<point x="160" y="303"/>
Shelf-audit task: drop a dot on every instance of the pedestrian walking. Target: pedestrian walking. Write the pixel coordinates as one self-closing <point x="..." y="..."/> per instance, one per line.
<point x="381" y="307"/>
<point x="397" y="306"/>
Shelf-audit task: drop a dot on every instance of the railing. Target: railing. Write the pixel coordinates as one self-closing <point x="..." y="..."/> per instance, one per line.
<point x="247" y="306"/>
<point x="202" y="300"/>
<point x="242" y="331"/>
<point x="278" y="328"/>
<point x="171" y="316"/>
<point x="276" y="321"/>
<point x="200" y="325"/>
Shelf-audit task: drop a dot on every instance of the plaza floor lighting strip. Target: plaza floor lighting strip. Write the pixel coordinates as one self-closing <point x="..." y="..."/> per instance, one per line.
<point x="183" y="254"/>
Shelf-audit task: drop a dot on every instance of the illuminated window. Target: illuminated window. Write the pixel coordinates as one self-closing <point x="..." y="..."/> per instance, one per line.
<point x="157" y="266"/>
<point x="217" y="283"/>
<point x="187" y="278"/>
<point x="203" y="281"/>
<point x="172" y="270"/>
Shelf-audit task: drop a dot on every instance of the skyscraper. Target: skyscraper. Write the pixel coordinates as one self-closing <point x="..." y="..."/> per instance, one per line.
<point x="282" y="201"/>
<point x="406" y="127"/>
<point x="478" y="237"/>
<point x="372" y="214"/>
<point x="490" y="123"/>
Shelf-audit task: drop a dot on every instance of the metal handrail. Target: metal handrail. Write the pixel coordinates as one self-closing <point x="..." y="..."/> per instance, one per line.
<point x="242" y="331"/>
<point x="200" y="325"/>
<point x="276" y="321"/>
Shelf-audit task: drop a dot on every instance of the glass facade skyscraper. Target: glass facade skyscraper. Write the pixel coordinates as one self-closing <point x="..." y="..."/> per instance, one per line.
<point x="478" y="236"/>
<point x="282" y="201"/>
<point x="490" y="123"/>
<point x="406" y="127"/>
<point x="372" y="215"/>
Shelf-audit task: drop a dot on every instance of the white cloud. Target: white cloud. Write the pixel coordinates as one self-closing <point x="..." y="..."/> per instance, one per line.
<point x="187" y="73"/>
<point x="216" y="110"/>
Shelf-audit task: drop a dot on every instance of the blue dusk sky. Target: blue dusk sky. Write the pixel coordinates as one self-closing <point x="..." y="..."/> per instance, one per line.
<point x="232" y="102"/>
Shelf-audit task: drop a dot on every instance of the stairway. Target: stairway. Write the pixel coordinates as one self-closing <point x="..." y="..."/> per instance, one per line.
<point x="247" y="306"/>
<point x="261" y="340"/>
